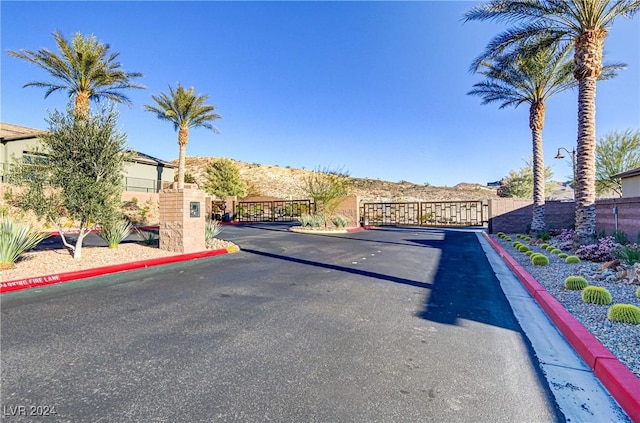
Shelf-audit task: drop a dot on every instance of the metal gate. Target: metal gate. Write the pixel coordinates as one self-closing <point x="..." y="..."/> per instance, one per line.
<point x="272" y="211"/>
<point x="437" y="213"/>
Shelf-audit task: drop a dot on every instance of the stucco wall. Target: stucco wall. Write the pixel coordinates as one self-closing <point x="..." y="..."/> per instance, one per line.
<point x="511" y="215"/>
<point x="628" y="216"/>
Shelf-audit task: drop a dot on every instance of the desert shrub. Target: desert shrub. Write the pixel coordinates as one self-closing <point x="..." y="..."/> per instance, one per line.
<point x="596" y="295"/>
<point x="620" y="237"/>
<point x="600" y="252"/>
<point x="148" y="237"/>
<point x="211" y="230"/>
<point x="564" y="240"/>
<point x="543" y="236"/>
<point x="544" y="246"/>
<point x="340" y="221"/>
<point x="540" y="260"/>
<point x="15" y="240"/>
<point x="572" y="259"/>
<point x="523" y="248"/>
<point x="624" y="313"/>
<point x="628" y="254"/>
<point x="563" y="255"/>
<point x="575" y="283"/>
<point x="312" y="220"/>
<point x="115" y="232"/>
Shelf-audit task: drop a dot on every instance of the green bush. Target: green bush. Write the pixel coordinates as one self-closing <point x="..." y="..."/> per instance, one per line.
<point x="15" y="240"/>
<point x="312" y="220"/>
<point x="115" y="232"/>
<point x="340" y="221"/>
<point x="148" y="237"/>
<point x="563" y="255"/>
<point x="540" y="260"/>
<point x="575" y="283"/>
<point x="543" y="236"/>
<point x="628" y="254"/>
<point x="572" y="260"/>
<point x="624" y="313"/>
<point x="211" y="230"/>
<point x="596" y="295"/>
<point x="620" y="237"/>
<point x="523" y="248"/>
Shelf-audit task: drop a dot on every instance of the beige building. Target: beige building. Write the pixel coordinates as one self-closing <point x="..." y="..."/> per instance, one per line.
<point x="143" y="173"/>
<point x="630" y="182"/>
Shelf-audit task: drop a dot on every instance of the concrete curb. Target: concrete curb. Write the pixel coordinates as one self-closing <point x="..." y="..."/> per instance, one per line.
<point x="36" y="282"/>
<point x="621" y="383"/>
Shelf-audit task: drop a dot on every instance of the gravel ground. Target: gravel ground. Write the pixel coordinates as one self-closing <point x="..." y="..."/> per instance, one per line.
<point x="622" y="339"/>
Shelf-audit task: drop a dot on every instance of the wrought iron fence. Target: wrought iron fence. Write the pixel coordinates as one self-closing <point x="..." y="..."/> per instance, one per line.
<point x="441" y="213"/>
<point x="272" y="211"/>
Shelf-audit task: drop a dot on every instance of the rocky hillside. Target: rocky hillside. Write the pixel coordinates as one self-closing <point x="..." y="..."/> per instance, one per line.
<point x="288" y="182"/>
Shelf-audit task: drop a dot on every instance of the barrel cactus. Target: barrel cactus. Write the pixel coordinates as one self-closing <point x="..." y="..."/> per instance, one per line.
<point x="638" y="292"/>
<point x="572" y="260"/>
<point x="556" y="251"/>
<point x="563" y="255"/>
<point x="596" y="295"/>
<point x="575" y="283"/>
<point x="624" y="313"/>
<point x="540" y="260"/>
<point x="523" y="248"/>
<point x="544" y="246"/>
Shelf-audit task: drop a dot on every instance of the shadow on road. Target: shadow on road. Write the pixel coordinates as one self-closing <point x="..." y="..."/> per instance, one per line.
<point x="366" y="273"/>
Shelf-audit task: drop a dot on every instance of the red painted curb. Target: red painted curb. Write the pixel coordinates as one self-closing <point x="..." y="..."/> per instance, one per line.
<point x="617" y="378"/>
<point x="20" y="284"/>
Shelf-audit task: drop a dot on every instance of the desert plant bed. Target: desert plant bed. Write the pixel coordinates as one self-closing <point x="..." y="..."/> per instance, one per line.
<point x="622" y="339"/>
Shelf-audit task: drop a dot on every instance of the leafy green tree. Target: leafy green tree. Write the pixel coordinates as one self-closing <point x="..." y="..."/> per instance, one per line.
<point x="82" y="174"/>
<point x="223" y="179"/>
<point x="86" y="69"/>
<point x="326" y="187"/>
<point x="530" y="77"/>
<point x="616" y="152"/>
<point x="520" y="183"/>
<point x="185" y="110"/>
<point x="585" y="24"/>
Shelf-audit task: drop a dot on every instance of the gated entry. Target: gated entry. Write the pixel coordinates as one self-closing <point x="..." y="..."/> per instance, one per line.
<point x="441" y="213"/>
<point x="272" y="211"/>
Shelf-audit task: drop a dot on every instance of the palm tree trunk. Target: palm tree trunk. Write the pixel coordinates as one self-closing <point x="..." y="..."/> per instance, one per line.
<point x="536" y="123"/>
<point x="588" y="67"/>
<point x="586" y="164"/>
<point x="82" y="104"/>
<point x="183" y="139"/>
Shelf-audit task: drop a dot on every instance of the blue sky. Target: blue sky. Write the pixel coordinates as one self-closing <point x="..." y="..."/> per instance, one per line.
<point x="377" y="88"/>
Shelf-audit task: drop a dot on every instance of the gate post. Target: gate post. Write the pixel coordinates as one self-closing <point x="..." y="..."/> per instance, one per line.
<point x="182" y="219"/>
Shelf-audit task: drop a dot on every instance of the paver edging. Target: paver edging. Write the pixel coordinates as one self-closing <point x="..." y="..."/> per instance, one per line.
<point x="617" y="378"/>
<point x="36" y="282"/>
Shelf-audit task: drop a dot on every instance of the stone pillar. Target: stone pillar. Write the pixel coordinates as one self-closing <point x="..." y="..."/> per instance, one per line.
<point x="182" y="219"/>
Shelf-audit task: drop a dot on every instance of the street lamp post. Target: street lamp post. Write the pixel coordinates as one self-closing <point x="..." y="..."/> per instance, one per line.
<point x="573" y="166"/>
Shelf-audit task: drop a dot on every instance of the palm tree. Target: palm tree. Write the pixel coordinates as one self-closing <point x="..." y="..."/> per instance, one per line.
<point x="586" y="24"/>
<point x="532" y="78"/>
<point x="185" y="110"/>
<point x="86" y="69"/>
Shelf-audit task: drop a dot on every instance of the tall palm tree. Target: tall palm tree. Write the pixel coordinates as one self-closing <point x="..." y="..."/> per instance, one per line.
<point x="585" y="23"/>
<point x="532" y="78"/>
<point x="86" y="69"/>
<point x="185" y="110"/>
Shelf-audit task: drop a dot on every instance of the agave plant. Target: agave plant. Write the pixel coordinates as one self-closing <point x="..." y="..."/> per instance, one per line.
<point x="15" y="240"/>
<point x="212" y="229"/>
<point x="115" y="232"/>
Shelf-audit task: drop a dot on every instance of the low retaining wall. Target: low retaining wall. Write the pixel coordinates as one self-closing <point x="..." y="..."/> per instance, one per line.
<point x="511" y="215"/>
<point x="628" y="216"/>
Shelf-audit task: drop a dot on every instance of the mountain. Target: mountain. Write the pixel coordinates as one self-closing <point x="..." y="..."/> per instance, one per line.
<point x="287" y="182"/>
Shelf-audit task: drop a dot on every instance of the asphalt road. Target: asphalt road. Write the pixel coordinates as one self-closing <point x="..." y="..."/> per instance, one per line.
<point x="388" y="325"/>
